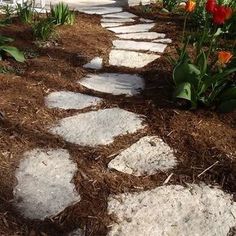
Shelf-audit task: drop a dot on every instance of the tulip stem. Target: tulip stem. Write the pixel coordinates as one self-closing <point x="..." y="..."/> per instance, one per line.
<point x="184" y="29"/>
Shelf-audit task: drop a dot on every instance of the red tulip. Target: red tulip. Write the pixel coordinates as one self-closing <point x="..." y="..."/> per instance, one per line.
<point x="221" y="14"/>
<point x="210" y="6"/>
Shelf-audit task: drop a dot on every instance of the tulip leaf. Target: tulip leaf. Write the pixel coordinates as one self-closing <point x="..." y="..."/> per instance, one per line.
<point x="14" y="52"/>
<point x="183" y="91"/>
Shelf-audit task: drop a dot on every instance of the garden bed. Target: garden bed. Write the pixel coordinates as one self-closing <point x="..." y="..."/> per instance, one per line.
<point x="201" y="137"/>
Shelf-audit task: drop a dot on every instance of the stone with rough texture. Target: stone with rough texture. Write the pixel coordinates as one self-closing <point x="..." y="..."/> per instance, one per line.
<point x="137" y="2"/>
<point x="100" y="10"/>
<point x="139" y="46"/>
<point x="147" y="156"/>
<point x="162" y="41"/>
<point x="77" y="232"/>
<point x="110" y="24"/>
<point x="44" y="183"/>
<point x="144" y="35"/>
<point x="173" y="210"/>
<point x="98" y="127"/>
<point x="95" y="64"/>
<point x="132" y="28"/>
<point x="120" y="15"/>
<point x="70" y="100"/>
<point x="116" y="84"/>
<point x="116" y="20"/>
<point x="130" y="59"/>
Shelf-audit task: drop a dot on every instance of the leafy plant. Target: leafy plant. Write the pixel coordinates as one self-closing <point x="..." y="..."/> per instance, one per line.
<point x="5" y="49"/>
<point x="25" y="12"/>
<point x="170" y="4"/>
<point x="61" y="14"/>
<point x="44" y="29"/>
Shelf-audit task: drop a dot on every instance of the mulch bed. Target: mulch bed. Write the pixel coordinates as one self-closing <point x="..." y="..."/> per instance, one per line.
<point x="200" y="137"/>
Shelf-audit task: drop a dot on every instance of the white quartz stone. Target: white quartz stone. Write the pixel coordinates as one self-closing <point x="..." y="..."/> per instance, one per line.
<point x="113" y="83"/>
<point x="144" y="35"/>
<point x="95" y="64"/>
<point x="139" y="46"/>
<point x="131" y="59"/>
<point x="145" y="157"/>
<point x="98" y="127"/>
<point x="132" y="28"/>
<point x="70" y="100"/>
<point x="44" y="183"/>
<point x="173" y="210"/>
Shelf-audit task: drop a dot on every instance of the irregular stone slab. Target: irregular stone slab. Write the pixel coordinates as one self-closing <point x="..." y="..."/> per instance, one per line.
<point x="132" y="28"/>
<point x="117" y="20"/>
<point x="70" y="100"/>
<point x="137" y="2"/>
<point x="44" y="183"/>
<point x="139" y="46"/>
<point x="173" y="210"/>
<point x="130" y="59"/>
<point x="162" y="41"/>
<point x="147" y="156"/>
<point x="146" y="20"/>
<point x="144" y="35"/>
<point x="77" y="232"/>
<point x="100" y="10"/>
<point x="115" y="84"/>
<point x="98" y="127"/>
<point x="121" y="15"/>
<point x="110" y="24"/>
<point x="95" y="64"/>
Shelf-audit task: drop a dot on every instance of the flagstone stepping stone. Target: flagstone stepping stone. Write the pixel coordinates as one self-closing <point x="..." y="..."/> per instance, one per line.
<point x="162" y="41"/>
<point x="95" y="64"/>
<point x="139" y="46"/>
<point x="77" y="232"/>
<point x="132" y="28"/>
<point x="120" y="15"/>
<point x="144" y="35"/>
<point x="145" y="20"/>
<point x="44" y="183"/>
<point x="116" y="20"/>
<point x="98" y="127"/>
<point x="137" y="2"/>
<point x="130" y="59"/>
<point x="110" y="24"/>
<point x="145" y="157"/>
<point x="100" y="10"/>
<point x="173" y="210"/>
<point x="70" y="100"/>
<point x="116" y="84"/>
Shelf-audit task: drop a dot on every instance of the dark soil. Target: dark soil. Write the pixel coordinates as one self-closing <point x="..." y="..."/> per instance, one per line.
<point x="200" y="137"/>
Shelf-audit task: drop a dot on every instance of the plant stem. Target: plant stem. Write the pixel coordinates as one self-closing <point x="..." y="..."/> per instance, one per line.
<point x="184" y="29"/>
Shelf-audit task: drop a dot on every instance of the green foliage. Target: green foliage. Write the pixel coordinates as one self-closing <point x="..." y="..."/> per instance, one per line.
<point x="170" y="4"/>
<point x="5" y="49"/>
<point x="61" y="14"/>
<point x="44" y="29"/>
<point x="25" y="12"/>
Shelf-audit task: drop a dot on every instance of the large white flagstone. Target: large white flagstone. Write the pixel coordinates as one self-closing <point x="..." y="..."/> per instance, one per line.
<point x="143" y="35"/>
<point x="173" y="210"/>
<point x="130" y="59"/>
<point x="44" y="186"/>
<point x="132" y="28"/>
<point x="162" y="41"/>
<point x="139" y="46"/>
<point x="111" y="24"/>
<point x="116" y="84"/>
<point x="100" y="10"/>
<point x="98" y="127"/>
<point x="145" y="157"/>
<point x="116" y="20"/>
<point x="70" y="100"/>
<point x="120" y="15"/>
<point x="95" y="63"/>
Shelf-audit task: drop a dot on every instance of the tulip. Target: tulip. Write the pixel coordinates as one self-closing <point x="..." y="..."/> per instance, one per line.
<point x="210" y="6"/>
<point x="224" y="57"/>
<point x="190" y="6"/>
<point x="221" y="14"/>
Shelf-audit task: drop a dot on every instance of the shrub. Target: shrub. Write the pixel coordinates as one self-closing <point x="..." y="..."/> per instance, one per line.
<point x="44" y="29"/>
<point x="25" y="12"/>
<point x="62" y="14"/>
<point x="5" y="49"/>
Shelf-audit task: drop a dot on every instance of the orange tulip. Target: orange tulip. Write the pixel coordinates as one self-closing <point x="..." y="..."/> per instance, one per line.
<point x="224" y="57"/>
<point x="190" y="6"/>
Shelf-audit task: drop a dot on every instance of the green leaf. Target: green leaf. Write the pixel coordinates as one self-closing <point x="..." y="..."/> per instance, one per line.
<point x="183" y="91"/>
<point x="227" y="106"/>
<point x="202" y="62"/>
<point x="186" y="72"/>
<point x="14" y="52"/>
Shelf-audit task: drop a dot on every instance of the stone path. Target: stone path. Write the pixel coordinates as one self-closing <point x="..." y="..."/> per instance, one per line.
<point x="44" y="177"/>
